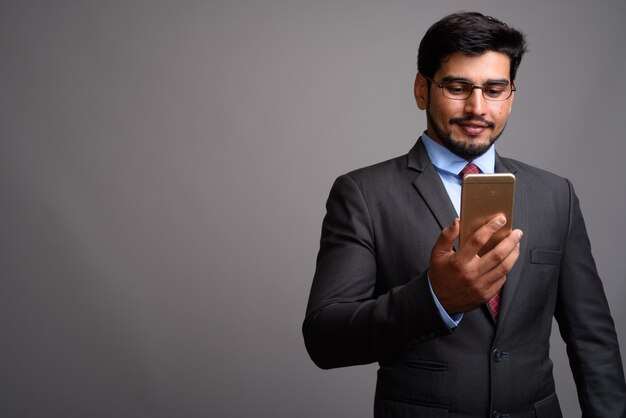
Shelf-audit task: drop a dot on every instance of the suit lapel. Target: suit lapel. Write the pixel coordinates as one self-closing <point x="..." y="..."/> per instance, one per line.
<point x="430" y="187"/>
<point x="520" y="221"/>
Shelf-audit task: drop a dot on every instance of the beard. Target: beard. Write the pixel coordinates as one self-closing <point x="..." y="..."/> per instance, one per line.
<point x="465" y="149"/>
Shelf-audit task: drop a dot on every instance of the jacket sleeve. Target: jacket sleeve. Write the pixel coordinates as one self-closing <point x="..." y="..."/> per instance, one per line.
<point x="587" y="327"/>
<point x="349" y="320"/>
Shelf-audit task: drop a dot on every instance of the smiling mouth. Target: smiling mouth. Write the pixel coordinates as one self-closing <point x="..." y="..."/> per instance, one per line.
<point x="473" y="126"/>
<point x="473" y="130"/>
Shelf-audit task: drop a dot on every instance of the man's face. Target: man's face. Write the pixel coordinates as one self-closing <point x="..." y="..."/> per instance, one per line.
<point x="466" y="127"/>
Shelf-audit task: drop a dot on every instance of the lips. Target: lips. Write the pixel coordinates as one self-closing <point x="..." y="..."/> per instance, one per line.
<point x="473" y="126"/>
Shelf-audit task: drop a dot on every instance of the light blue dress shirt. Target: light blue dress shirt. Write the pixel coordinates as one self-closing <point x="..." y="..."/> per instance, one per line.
<point x="448" y="166"/>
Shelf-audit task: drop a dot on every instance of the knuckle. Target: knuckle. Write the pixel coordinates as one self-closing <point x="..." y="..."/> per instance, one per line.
<point x="503" y="269"/>
<point x="485" y="295"/>
<point x="508" y="265"/>
<point x="498" y="257"/>
<point x="473" y="282"/>
<point x="475" y="241"/>
<point x="456" y="265"/>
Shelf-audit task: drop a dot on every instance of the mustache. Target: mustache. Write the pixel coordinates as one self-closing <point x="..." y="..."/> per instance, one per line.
<point x="473" y="119"/>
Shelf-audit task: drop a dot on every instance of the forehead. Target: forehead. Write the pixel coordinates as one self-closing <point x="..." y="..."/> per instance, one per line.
<point x="489" y="66"/>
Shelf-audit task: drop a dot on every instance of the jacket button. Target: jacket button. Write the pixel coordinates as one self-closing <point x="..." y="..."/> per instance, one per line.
<point x="499" y="355"/>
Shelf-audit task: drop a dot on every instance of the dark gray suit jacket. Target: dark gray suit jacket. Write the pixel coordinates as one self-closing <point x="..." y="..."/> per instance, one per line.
<point x="370" y="300"/>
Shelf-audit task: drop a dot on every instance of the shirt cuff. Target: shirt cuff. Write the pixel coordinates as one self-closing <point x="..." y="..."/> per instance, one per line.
<point x="450" y="321"/>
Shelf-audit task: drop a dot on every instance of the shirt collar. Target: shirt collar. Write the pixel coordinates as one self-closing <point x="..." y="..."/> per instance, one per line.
<point x="445" y="160"/>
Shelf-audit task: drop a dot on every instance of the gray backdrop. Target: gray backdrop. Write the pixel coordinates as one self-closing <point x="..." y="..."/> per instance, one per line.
<point x="163" y="172"/>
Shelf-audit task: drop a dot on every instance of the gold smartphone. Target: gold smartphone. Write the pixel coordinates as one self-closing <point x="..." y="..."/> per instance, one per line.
<point x="483" y="196"/>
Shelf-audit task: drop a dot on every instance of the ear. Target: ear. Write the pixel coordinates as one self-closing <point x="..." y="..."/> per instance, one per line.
<point x="421" y="91"/>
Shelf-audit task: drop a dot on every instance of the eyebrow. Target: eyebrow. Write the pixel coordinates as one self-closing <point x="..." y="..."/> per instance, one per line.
<point x="451" y="78"/>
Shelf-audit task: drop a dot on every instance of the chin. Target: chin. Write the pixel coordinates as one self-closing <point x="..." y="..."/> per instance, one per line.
<point x="468" y="148"/>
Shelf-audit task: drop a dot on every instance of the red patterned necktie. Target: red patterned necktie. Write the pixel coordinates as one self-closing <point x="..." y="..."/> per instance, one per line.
<point x="494" y="302"/>
<point x="470" y="168"/>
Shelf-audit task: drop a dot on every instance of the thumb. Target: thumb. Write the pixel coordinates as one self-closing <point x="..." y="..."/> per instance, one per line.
<point x="446" y="239"/>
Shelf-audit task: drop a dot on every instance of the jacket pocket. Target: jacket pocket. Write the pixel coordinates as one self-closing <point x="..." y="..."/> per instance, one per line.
<point x="428" y="365"/>
<point x="384" y="408"/>
<point x="412" y="384"/>
<point x="548" y="407"/>
<point x="538" y="256"/>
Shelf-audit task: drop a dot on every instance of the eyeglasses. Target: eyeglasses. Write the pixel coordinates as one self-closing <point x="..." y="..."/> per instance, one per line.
<point x="462" y="90"/>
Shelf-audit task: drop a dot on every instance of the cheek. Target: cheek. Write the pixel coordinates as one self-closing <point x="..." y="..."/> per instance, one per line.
<point x="507" y="109"/>
<point x="504" y="112"/>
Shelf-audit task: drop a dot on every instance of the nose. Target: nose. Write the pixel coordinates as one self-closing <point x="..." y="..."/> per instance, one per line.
<point x="475" y="104"/>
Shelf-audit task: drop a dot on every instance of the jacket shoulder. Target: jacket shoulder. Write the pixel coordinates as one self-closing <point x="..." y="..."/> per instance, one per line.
<point x="528" y="173"/>
<point x="388" y="173"/>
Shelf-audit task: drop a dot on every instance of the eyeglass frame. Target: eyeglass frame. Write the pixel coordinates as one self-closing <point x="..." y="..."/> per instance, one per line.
<point x="481" y="87"/>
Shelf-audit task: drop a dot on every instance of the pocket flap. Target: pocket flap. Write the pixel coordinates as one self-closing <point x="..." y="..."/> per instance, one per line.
<point x="545" y="256"/>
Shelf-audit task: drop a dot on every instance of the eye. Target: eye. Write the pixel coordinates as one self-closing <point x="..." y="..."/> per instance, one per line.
<point x="496" y="90"/>
<point x="458" y="88"/>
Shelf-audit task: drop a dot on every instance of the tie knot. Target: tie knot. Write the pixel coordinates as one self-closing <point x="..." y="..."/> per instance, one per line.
<point x="470" y="168"/>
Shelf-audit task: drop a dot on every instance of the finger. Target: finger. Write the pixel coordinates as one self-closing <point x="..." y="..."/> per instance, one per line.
<point x="495" y="287"/>
<point x="446" y="239"/>
<point x="500" y="260"/>
<point x="480" y="237"/>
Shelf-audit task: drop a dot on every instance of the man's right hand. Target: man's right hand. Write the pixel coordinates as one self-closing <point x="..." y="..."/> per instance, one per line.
<point x="462" y="281"/>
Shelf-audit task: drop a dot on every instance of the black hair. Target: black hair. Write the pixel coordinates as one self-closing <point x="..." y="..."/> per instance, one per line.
<point x="470" y="33"/>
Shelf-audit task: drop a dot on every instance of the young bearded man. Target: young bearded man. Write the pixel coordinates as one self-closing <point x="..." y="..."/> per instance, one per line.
<point x="457" y="334"/>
